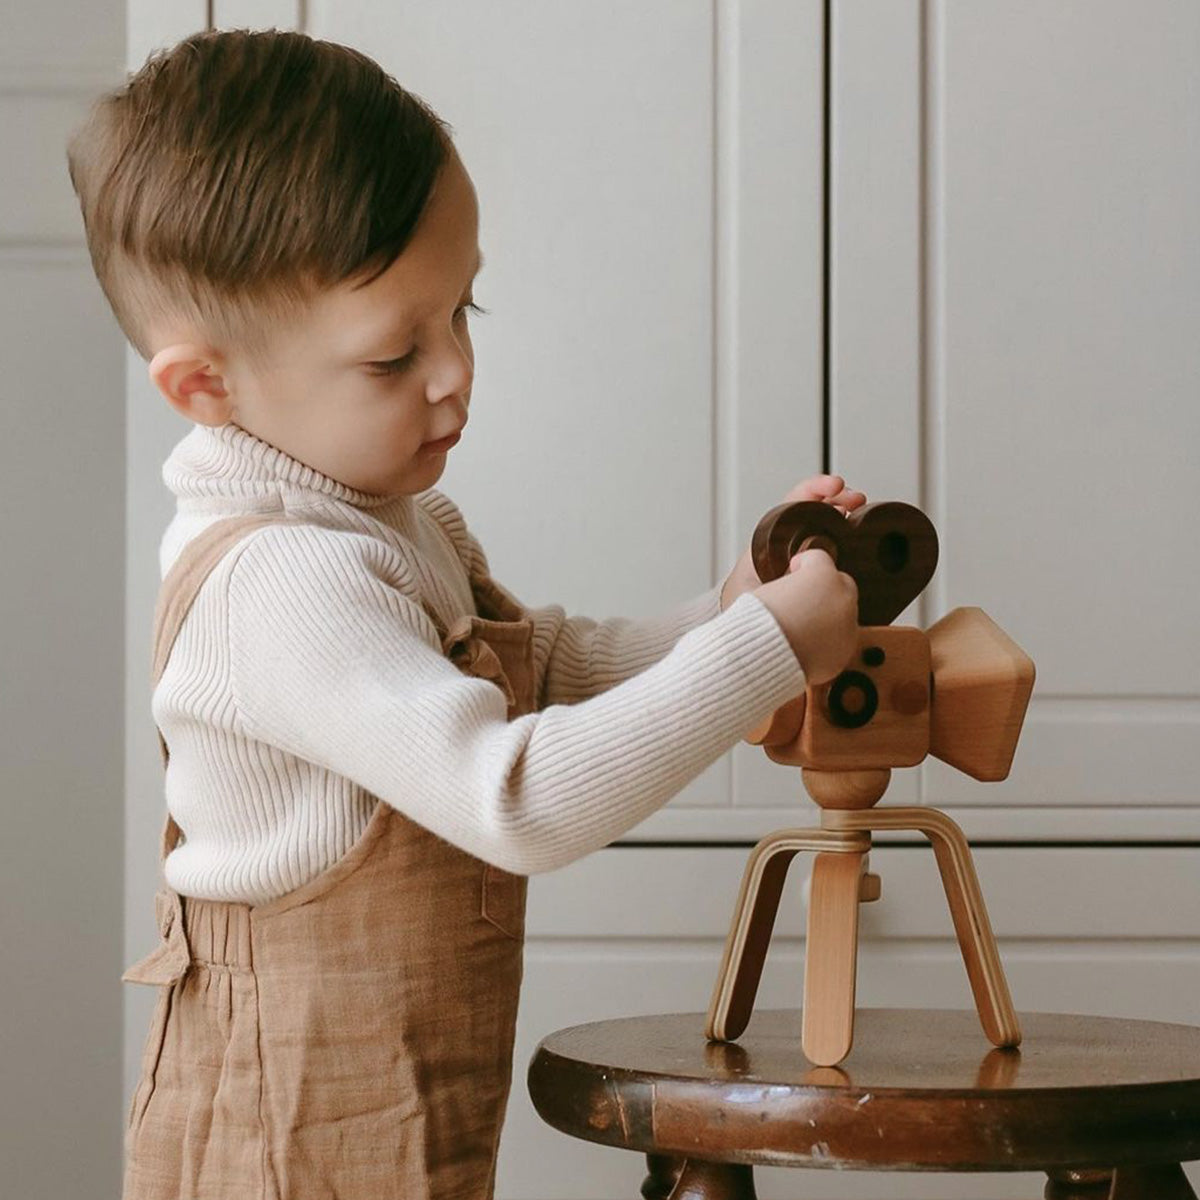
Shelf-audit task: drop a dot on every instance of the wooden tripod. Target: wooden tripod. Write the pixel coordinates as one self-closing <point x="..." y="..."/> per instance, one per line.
<point x="847" y="735"/>
<point x="840" y="882"/>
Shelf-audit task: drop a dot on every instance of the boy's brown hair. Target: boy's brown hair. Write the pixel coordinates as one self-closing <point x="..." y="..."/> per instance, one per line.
<point x="237" y="173"/>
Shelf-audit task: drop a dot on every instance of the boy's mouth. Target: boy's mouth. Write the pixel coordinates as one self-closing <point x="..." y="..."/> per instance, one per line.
<point x="443" y="444"/>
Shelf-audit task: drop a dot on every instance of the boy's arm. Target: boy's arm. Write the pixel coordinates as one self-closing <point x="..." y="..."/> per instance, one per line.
<point x="577" y="657"/>
<point x="334" y="662"/>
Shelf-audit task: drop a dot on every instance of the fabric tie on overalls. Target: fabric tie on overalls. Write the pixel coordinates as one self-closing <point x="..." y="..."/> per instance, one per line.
<point x="473" y="656"/>
<point x="169" y="960"/>
<point x="352" y="1038"/>
<point x="498" y="649"/>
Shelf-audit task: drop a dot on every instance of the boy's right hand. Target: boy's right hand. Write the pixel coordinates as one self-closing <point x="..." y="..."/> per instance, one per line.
<point x="816" y="606"/>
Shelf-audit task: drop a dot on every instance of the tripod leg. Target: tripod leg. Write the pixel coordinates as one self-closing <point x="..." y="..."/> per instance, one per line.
<point x="965" y="898"/>
<point x="975" y="937"/>
<point x="830" y="958"/>
<point x="971" y="924"/>
<point x="746" y="945"/>
<point x="754" y="918"/>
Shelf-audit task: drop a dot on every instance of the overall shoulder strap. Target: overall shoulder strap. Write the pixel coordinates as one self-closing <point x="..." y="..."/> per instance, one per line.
<point x="189" y="571"/>
<point x="175" y="597"/>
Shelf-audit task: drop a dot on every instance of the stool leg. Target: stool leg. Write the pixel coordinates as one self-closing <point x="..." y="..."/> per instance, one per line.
<point x="664" y="1174"/>
<point x="1077" y="1185"/>
<point x="714" y="1181"/>
<point x="830" y="957"/>
<point x="1167" y="1182"/>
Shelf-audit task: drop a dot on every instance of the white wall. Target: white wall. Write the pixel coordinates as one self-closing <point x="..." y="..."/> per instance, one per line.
<point x="62" y="467"/>
<point x="151" y="428"/>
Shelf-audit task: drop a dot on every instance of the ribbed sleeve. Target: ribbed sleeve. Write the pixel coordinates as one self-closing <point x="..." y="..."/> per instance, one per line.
<point x="307" y="682"/>
<point x="332" y="662"/>
<point x="577" y="657"/>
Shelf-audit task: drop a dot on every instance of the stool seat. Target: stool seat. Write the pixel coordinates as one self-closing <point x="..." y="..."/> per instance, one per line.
<point x="921" y="1089"/>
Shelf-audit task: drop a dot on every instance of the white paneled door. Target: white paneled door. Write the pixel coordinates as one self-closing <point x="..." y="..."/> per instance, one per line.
<point x="649" y="178"/>
<point x="1016" y="289"/>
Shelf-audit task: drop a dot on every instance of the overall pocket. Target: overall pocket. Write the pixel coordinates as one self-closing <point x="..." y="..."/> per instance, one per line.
<point x="503" y="900"/>
<point x="151" y="1053"/>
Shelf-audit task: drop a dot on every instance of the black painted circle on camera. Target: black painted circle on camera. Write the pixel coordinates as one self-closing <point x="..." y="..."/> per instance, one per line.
<point x="874" y="656"/>
<point x="844" y="717"/>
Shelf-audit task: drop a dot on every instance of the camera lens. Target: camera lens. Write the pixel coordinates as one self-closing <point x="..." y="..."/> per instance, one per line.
<point x="853" y="700"/>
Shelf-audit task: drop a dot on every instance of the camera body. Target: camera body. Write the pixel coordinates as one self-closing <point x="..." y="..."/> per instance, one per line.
<point x="876" y="712"/>
<point x="958" y="691"/>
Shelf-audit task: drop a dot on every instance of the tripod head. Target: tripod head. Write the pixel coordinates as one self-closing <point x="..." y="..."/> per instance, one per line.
<point x="958" y="691"/>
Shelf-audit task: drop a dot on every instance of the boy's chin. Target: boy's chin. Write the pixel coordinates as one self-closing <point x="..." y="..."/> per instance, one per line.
<point x="417" y="476"/>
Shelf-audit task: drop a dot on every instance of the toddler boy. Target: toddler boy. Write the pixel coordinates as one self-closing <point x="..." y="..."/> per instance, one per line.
<point x="290" y="239"/>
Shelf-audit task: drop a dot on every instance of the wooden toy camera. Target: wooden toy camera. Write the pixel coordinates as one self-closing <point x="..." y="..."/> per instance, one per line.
<point x="958" y="690"/>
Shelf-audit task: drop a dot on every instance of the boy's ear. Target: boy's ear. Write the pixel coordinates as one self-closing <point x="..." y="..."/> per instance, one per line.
<point x="191" y="377"/>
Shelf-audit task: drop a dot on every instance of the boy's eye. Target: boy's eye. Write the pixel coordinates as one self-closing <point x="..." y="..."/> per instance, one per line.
<point x="394" y="366"/>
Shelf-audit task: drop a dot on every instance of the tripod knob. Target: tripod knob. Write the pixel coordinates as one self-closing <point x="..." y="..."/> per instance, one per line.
<point x="846" y="789"/>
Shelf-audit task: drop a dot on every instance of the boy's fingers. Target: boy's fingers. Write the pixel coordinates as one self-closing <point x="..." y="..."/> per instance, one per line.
<point x="819" y="485"/>
<point x="799" y="560"/>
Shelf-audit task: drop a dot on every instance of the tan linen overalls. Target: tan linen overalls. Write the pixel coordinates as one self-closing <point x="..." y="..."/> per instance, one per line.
<point x="352" y="1039"/>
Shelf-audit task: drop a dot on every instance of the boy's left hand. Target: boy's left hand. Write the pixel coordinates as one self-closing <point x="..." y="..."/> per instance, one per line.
<point x="830" y="488"/>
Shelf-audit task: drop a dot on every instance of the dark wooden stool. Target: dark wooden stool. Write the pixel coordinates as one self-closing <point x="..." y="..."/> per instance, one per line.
<point x="1107" y="1108"/>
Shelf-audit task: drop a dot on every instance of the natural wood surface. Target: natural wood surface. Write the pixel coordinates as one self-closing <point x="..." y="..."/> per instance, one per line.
<point x="964" y="896"/>
<point x="875" y="713"/>
<point x="889" y="549"/>
<point x="846" y="789"/>
<point x="831" y="956"/>
<point x="982" y="683"/>
<point x="754" y="919"/>
<point x="832" y="941"/>
<point x="697" y="1179"/>
<point x="918" y="1091"/>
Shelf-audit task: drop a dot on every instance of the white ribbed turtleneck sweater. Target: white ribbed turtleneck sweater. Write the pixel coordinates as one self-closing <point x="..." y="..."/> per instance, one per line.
<point x="307" y="681"/>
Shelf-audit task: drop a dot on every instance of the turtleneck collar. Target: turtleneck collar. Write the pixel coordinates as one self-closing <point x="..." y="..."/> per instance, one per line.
<point x="229" y="461"/>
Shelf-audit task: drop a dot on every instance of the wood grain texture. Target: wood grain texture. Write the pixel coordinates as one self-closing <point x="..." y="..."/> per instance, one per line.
<point x="889" y="549"/>
<point x="662" y="1173"/>
<point x="754" y="918"/>
<point x="982" y="681"/>
<point x="701" y="1180"/>
<point x="1083" y="1092"/>
<point x="838" y="887"/>
<point x="831" y="957"/>
<point x="964" y="896"/>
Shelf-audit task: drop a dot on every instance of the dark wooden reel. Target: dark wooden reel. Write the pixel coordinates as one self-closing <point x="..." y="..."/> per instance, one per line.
<point x="889" y="549"/>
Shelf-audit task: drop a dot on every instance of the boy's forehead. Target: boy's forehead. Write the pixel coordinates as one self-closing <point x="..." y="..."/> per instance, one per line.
<point x="421" y="281"/>
<point x="435" y="267"/>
